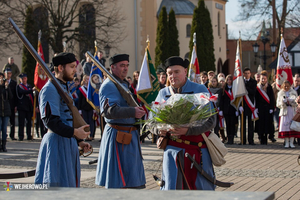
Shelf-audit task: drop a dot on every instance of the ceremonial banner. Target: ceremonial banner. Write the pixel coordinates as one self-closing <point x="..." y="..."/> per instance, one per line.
<point x="284" y="71"/>
<point x="95" y="81"/>
<point x="72" y="89"/>
<point x="238" y="84"/>
<point x="148" y="86"/>
<point x="194" y="71"/>
<point x="40" y="77"/>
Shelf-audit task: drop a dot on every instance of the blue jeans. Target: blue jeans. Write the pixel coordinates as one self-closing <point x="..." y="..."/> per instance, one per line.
<point x="3" y="127"/>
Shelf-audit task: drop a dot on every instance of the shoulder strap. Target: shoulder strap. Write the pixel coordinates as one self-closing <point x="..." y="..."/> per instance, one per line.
<point x="171" y="90"/>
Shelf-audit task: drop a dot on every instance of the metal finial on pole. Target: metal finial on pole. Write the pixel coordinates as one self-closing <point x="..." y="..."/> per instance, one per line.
<point x="194" y="38"/>
<point x="65" y="46"/>
<point x="95" y="42"/>
<point x="39" y="34"/>
<point x="148" y="42"/>
<point x="240" y="34"/>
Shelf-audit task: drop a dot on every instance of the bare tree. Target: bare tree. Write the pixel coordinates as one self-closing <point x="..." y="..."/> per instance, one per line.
<point x="263" y="10"/>
<point x="293" y="19"/>
<point x="66" y="22"/>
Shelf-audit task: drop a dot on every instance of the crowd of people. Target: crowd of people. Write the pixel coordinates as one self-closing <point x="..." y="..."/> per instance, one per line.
<point x="120" y="160"/>
<point x="263" y="104"/>
<point x="15" y="97"/>
<point x="19" y="96"/>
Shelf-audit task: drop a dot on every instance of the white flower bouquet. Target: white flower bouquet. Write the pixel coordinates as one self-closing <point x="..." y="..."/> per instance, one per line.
<point x="182" y="110"/>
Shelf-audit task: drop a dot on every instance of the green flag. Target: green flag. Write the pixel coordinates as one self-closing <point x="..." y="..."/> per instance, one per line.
<point x="148" y="85"/>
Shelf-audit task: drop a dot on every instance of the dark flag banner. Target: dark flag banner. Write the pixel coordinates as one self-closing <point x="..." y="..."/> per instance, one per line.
<point x="72" y="89"/>
<point x="96" y="79"/>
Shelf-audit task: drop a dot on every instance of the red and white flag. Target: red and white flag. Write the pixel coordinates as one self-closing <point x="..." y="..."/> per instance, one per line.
<point x="238" y="84"/>
<point x="284" y="71"/>
<point x="40" y="77"/>
<point x="194" y="71"/>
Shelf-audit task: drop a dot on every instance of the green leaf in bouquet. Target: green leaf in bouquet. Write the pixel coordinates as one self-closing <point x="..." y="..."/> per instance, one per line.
<point x="158" y="119"/>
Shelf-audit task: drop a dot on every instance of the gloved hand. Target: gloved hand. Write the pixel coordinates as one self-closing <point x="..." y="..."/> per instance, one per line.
<point x="256" y="110"/>
<point x="221" y="113"/>
<point x="80" y="112"/>
<point x="284" y="100"/>
<point x="291" y="100"/>
<point x="236" y="113"/>
<point x="271" y="111"/>
<point x="241" y="109"/>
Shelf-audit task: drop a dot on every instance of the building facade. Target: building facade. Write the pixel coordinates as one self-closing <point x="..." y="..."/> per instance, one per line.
<point x="141" y="20"/>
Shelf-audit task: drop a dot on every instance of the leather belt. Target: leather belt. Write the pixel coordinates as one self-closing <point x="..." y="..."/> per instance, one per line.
<point x="199" y="144"/>
<point x="123" y="128"/>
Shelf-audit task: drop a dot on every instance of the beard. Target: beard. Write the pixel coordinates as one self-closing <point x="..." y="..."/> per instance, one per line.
<point x="67" y="77"/>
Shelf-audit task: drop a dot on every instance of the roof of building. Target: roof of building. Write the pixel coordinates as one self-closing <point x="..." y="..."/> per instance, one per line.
<point x="180" y="7"/>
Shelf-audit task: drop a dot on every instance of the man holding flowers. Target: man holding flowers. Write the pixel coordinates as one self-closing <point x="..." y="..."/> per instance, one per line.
<point x="178" y="172"/>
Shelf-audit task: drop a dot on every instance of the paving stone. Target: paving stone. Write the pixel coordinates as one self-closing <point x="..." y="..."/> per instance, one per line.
<point x="251" y="168"/>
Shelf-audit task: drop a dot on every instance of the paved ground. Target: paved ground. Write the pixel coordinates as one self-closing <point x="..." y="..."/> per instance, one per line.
<point x="251" y="168"/>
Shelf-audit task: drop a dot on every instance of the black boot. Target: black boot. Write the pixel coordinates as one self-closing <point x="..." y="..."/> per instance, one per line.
<point x="1" y="146"/>
<point x="4" y="145"/>
<point x="224" y="138"/>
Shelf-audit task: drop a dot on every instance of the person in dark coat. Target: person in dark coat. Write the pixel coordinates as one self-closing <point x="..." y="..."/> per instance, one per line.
<point x="39" y="125"/>
<point x="87" y="66"/>
<point x="25" y="106"/>
<point x="204" y="78"/>
<point x="265" y="103"/>
<point x="5" y="96"/>
<point x="226" y="109"/>
<point x="85" y="108"/>
<point x="297" y="89"/>
<point x="215" y="88"/>
<point x="248" y="112"/>
<point x="12" y="102"/>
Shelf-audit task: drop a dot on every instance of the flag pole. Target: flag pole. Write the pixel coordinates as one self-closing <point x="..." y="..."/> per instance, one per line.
<point x="34" y="115"/>
<point x="34" y="99"/>
<point x="148" y="43"/>
<point x="242" y="114"/>
<point x="195" y="45"/>
<point x="101" y="118"/>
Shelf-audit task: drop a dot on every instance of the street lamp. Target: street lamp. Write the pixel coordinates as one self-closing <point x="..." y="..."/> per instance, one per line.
<point x="107" y="50"/>
<point x="265" y="40"/>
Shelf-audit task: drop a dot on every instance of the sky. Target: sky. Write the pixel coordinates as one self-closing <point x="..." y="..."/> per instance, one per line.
<point x="234" y="27"/>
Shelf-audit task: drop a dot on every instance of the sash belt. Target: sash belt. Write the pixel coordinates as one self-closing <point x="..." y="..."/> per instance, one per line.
<point x="187" y="142"/>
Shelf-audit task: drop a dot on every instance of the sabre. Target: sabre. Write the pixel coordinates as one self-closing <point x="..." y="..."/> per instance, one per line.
<point x="207" y="176"/>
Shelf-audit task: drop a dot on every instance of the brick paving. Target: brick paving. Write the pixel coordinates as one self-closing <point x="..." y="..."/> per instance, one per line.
<point x="251" y="168"/>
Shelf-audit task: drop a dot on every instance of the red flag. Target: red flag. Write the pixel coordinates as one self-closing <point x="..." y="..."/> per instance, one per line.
<point x="40" y="77"/>
<point x="284" y="71"/>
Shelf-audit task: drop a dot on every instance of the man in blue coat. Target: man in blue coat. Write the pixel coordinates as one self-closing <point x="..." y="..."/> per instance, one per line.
<point x="177" y="168"/>
<point x="58" y="162"/>
<point x="120" y="161"/>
